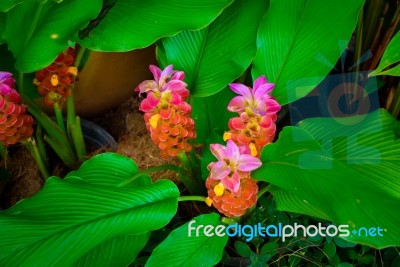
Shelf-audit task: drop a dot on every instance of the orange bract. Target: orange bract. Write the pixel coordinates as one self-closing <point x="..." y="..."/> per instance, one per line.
<point x="54" y="82"/>
<point x="231" y="204"/>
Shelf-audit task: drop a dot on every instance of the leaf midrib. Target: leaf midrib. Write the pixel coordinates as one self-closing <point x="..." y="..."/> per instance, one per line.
<point x="291" y="44"/>
<point x="80" y="224"/>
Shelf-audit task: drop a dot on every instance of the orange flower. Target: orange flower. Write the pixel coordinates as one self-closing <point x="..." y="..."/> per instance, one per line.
<point x="54" y="82"/>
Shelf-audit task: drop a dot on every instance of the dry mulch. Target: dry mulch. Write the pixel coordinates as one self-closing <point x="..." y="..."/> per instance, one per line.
<point x="125" y="123"/>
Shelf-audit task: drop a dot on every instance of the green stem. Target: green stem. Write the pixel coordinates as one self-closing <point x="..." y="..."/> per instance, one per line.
<point x="59" y="116"/>
<point x="3" y="151"/>
<point x="262" y="191"/>
<point x="153" y="170"/>
<point x="32" y="147"/>
<point x="41" y="147"/>
<point x="77" y="139"/>
<point x="191" y="184"/>
<point x="50" y="127"/>
<point x="191" y="198"/>
<point x="73" y="121"/>
<point x="228" y="221"/>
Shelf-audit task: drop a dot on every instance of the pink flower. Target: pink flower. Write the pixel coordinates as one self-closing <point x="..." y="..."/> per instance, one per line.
<point x="165" y="80"/>
<point x="257" y="99"/>
<point x="230" y="161"/>
<point x="7" y="85"/>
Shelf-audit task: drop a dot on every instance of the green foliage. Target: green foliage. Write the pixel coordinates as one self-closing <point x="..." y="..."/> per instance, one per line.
<point x="129" y="25"/>
<point x="50" y="228"/>
<point x="36" y="33"/>
<point x="301" y="40"/>
<point x="218" y="54"/>
<point x="358" y="157"/>
<point x="191" y="250"/>
<point x="211" y="114"/>
<point x="390" y="57"/>
<point x="117" y="251"/>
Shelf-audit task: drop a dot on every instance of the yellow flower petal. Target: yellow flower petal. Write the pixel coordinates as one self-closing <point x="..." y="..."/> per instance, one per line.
<point x="253" y="149"/>
<point x="227" y="136"/>
<point x="54" y="79"/>
<point x="154" y="120"/>
<point x="73" y="70"/>
<point x="208" y="201"/>
<point x="219" y="189"/>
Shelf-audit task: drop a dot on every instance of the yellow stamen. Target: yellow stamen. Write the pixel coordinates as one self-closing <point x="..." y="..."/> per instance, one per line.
<point x="154" y="120"/>
<point x="73" y="70"/>
<point x="253" y="149"/>
<point x="36" y="82"/>
<point x="219" y="189"/>
<point x="227" y="136"/>
<point x="208" y="201"/>
<point x="54" y="79"/>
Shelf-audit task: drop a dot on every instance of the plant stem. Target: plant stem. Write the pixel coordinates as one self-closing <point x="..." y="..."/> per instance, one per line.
<point x="41" y="147"/>
<point x="152" y="170"/>
<point x="61" y="144"/>
<point x="59" y="116"/>
<point x="262" y="191"/>
<point x="73" y="121"/>
<point x="3" y="151"/>
<point x="32" y="147"/>
<point x="190" y="183"/>
<point x="57" y="138"/>
<point x="191" y="198"/>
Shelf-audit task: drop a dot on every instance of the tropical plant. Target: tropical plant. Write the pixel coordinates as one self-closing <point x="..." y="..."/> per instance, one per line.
<point x="225" y="69"/>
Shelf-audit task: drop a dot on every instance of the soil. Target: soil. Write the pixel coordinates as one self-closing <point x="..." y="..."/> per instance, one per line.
<point x="125" y="123"/>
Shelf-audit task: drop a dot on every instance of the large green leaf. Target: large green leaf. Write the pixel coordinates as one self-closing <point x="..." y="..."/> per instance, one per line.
<point x="297" y="38"/>
<point x="36" y="33"/>
<point x="345" y="170"/>
<point x="211" y="114"/>
<point x="194" y="250"/>
<point x="6" y="5"/>
<point x="218" y="54"/>
<point x="70" y="217"/>
<point x="118" y="251"/>
<point x="2" y="26"/>
<point x="390" y="56"/>
<point x="109" y="169"/>
<point x="131" y="24"/>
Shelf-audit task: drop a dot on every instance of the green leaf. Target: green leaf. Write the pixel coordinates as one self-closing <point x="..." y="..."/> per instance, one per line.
<point x="302" y="40"/>
<point x="194" y="250"/>
<point x="330" y="249"/>
<point x="270" y="249"/>
<point x="136" y="24"/>
<point x="344" y="170"/>
<point x="390" y="56"/>
<point x="218" y="54"/>
<point x="117" y="251"/>
<point x="2" y="26"/>
<point x="395" y="71"/>
<point x="242" y="249"/>
<point x="207" y="157"/>
<point x="108" y="169"/>
<point x="6" y="5"/>
<point x="36" y="33"/>
<point x="70" y="217"/>
<point x="343" y="243"/>
<point x="211" y="115"/>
